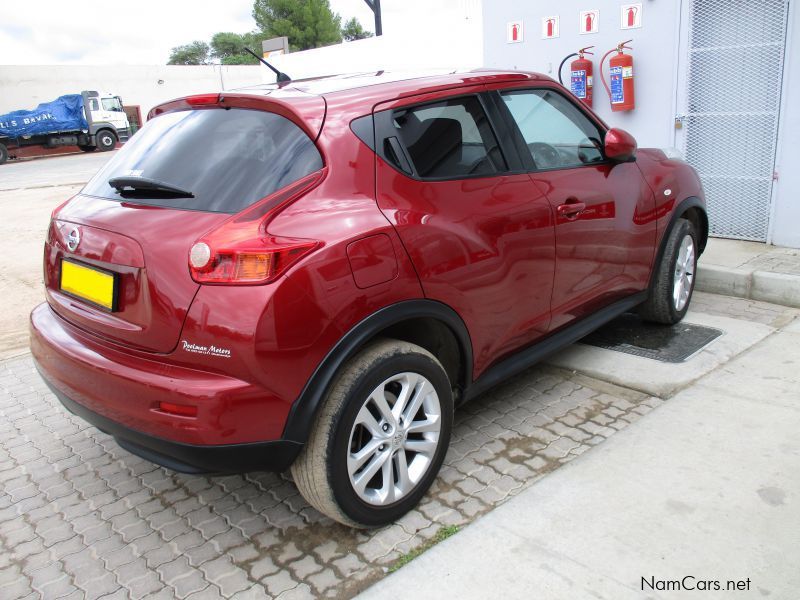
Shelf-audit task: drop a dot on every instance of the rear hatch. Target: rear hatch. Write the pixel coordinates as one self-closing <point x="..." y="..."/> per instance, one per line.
<point x="116" y="256"/>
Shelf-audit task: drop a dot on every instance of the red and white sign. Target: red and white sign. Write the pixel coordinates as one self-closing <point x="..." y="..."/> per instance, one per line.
<point x="589" y="21"/>
<point x="550" y="27"/>
<point x="631" y="16"/>
<point x="514" y="32"/>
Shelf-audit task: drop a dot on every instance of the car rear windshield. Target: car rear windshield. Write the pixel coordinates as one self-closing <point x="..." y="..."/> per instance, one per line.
<point x="227" y="159"/>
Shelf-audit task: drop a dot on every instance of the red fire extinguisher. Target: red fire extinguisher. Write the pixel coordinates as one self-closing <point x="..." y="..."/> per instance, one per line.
<point x="550" y="27"/>
<point x="581" y="81"/>
<point x="620" y="69"/>
<point x="514" y="32"/>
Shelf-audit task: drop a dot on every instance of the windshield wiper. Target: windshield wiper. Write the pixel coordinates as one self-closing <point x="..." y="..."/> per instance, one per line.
<point x="145" y="184"/>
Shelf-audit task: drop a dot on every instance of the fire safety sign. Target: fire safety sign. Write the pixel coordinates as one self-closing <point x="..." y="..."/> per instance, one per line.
<point x="631" y="16"/>
<point x="514" y="32"/>
<point x="550" y="27"/>
<point x="589" y="21"/>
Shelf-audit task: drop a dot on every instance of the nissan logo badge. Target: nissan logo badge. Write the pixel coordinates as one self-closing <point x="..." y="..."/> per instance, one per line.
<point x="73" y="239"/>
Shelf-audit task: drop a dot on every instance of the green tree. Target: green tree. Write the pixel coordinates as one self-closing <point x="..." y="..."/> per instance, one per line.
<point x="307" y="23"/>
<point x="353" y="30"/>
<point x="195" y="53"/>
<point x="229" y="47"/>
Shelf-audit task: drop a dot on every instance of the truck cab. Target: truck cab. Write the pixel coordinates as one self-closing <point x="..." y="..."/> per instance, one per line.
<point x="104" y="111"/>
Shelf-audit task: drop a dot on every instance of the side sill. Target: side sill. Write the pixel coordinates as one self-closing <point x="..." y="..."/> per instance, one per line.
<point x="533" y="354"/>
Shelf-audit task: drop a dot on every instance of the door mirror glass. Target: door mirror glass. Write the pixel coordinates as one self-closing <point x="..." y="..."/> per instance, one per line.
<point x="620" y="146"/>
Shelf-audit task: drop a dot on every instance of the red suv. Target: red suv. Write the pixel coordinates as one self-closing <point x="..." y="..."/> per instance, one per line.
<point x="314" y="274"/>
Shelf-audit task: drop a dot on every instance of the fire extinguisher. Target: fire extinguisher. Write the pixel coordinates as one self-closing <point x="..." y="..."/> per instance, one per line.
<point x="550" y="23"/>
<point x="620" y="69"/>
<point x="514" y="32"/>
<point x="581" y="81"/>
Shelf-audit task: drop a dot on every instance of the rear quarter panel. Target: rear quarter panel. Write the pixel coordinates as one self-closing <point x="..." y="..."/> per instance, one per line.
<point x="326" y="300"/>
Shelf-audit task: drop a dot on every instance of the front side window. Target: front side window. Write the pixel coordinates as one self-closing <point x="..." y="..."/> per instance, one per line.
<point x="449" y="140"/>
<point x="557" y="133"/>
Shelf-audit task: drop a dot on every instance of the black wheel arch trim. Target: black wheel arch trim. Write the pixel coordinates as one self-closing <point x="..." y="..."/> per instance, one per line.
<point x="304" y="410"/>
<point x="677" y="213"/>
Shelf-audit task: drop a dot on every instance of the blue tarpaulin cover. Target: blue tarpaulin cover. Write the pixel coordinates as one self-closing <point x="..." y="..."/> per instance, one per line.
<point x="62" y="114"/>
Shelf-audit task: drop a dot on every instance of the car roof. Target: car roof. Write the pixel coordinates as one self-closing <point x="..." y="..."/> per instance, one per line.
<point x="361" y="91"/>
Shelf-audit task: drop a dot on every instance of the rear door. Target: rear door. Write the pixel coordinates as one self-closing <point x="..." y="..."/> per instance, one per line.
<point x="479" y="234"/>
<point x="605" y="233"/>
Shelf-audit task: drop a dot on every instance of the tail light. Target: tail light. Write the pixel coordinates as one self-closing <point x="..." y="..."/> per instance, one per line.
<point x="242" y="252"/>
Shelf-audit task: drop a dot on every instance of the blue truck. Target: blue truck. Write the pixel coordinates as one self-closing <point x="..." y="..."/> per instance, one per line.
<point x="90" y="120"/>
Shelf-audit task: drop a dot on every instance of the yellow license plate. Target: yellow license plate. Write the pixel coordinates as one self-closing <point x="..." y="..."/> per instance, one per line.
<point x="90" y="284"/>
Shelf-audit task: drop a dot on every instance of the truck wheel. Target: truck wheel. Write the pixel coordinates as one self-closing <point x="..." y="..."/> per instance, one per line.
<point x="674" y="278"/>
<point x="3" y="153"/>
<point x="380" y="437"/>
<point x="87" y="148"/>
<point x="106" y="140"/>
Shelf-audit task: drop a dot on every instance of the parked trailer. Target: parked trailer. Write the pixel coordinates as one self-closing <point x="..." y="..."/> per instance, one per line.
<point x="90" y="120"/>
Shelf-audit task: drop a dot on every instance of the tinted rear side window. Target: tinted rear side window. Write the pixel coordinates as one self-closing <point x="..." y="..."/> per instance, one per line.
<point x="449" y="140"/>
<point x="228" y="159"/>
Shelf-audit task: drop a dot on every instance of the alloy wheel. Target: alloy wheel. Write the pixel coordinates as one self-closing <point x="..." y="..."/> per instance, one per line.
<point x="684" y="273"/>
<point x="394" y="438"/>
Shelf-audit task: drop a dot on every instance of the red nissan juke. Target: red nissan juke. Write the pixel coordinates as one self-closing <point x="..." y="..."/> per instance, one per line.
<point x="314" y="274"/>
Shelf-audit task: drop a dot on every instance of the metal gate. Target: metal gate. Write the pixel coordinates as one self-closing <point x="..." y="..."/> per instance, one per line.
<point x="735" y="63"/>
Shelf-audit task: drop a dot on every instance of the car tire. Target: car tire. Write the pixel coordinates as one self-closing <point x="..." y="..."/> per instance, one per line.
<point x="87" y="148"/>
<point x="674" y="279"/>
<point x="3" y="154"/>
<point x="105" y="140"/>
<point x="365" y="466"/>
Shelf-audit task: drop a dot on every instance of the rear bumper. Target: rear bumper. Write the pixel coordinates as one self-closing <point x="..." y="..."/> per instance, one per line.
<point x="119" y="393"/>
<point x="189" y="458"/>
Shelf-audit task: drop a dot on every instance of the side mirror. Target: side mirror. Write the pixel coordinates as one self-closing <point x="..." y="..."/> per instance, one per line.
<point x="620" y="146"/>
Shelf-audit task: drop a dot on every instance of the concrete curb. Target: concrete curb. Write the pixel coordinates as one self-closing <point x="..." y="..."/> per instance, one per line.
<point x="765" y="286"/>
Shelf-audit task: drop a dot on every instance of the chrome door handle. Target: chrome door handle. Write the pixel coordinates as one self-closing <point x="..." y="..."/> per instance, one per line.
<point x="571" y="210"/>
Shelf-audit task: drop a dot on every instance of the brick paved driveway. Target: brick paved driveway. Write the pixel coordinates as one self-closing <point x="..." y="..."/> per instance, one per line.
<point x="81" y="517"/>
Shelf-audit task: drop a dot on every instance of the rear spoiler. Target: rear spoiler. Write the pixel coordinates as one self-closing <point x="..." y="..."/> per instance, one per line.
<point x="304" y="110"/>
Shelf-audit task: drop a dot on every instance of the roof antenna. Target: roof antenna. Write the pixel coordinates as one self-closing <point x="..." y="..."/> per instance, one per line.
<point x="282" y="77"/>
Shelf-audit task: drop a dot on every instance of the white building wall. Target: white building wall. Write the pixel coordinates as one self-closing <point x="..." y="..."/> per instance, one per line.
<point x="655" y="54"/>
<point x="658" y="65"/>
<point x="24" y="87"/>
<point x="450" y="40"/>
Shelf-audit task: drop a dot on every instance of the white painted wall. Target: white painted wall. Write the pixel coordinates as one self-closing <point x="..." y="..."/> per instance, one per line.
<point x="444" y="40"/>
<point x="24" y="87"/>
<point x="655" y="49"/>
<point x="658" y="67"/>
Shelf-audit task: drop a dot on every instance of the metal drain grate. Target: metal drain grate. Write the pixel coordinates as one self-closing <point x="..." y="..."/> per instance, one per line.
<point x="631" y="335"/>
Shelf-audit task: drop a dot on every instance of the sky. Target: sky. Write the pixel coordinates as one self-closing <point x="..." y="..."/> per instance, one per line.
<point x="43" y="32"/>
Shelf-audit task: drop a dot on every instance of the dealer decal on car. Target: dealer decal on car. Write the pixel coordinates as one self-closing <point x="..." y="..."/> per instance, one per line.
<point x="209" y="350"/>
